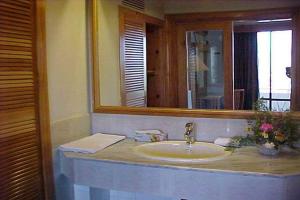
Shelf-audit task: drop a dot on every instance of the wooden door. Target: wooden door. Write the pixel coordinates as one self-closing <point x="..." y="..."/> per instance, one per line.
<point x="23" y="162"/>
<point x="182" y="29"/>
<point x="133" y="59"/>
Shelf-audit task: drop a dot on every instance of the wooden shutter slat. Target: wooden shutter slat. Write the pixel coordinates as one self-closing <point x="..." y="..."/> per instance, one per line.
<point x="24" y="1"/>
<point x="13" y="73"/>
<point x="14" y="24"/>
<point x="20" y="156"/>
<point x="22" y="127"/>
<point x="16" y="40"/>
<point x="8" y="13"/>
<point x="9" y="56"/>
<point x="12" y="10"/>
<point x="15" y="7"/>
<point x="15" y="141"/>
<point x="15" y="62"/>
<point x="16" y="94"/>
<point x="10" y="43"/>
<point x="18" y="172"/>
<point x="15" y="102"/>
<point x="17" y="125"/>
<point x="9" y="107"/>
<point x="18" y="3"/>
<point x="23" y="21"/>
<point x="22" y="186"/>
<point x="14" y="52"/>
<point x="14" y="31"/>
<point x="5" y="47"/>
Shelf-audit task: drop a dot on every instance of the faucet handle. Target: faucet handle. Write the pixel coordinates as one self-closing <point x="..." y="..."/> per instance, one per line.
<point x="189" y="126"/>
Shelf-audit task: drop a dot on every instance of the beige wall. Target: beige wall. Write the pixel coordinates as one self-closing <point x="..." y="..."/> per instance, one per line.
<point x="67" y="58"/>
<point x="109" y="59"/>
<point x="67" y="78"/>
<point x="109" y="52"/>
<point x="180" y="6"/>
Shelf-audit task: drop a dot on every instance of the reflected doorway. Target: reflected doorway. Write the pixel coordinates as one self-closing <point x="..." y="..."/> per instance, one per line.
<point x="205" y="73"/>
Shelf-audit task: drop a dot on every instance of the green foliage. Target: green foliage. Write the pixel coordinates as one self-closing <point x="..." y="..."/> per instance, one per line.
<point x="239" y="141"/>
<point x="283" y="131"/>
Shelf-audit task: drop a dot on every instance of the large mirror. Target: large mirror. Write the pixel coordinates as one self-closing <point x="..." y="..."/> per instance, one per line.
<point x="208" y="55"/>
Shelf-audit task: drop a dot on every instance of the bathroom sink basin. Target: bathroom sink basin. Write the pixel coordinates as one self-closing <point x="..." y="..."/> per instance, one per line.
<point x="180" y="151"/>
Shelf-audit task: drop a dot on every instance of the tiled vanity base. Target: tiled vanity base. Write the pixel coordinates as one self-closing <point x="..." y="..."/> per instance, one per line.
<point x="198" y="182"/>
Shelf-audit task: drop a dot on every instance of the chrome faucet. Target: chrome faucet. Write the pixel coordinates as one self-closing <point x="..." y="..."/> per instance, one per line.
<point x="189" y="135"/>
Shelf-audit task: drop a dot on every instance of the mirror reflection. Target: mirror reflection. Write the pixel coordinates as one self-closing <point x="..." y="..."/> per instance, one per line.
<point x="211" y="64"/>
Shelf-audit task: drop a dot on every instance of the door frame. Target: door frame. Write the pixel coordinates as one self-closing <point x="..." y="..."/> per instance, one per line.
<point x="43" y="101"/>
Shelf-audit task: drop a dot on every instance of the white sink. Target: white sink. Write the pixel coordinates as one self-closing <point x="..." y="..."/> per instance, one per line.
<point x="179" y="151"/>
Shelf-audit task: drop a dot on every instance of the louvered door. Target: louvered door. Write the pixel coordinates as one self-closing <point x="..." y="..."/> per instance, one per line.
<point x="20" y="145"/>
<point x="133" y="60"/>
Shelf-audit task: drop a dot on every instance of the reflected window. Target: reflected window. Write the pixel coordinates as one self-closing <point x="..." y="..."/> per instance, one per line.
<point x="274" y="60"/>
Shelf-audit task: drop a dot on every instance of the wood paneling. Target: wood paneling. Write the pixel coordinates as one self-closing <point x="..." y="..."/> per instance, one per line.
<point x="155" y="66"/>
<point x="21" y="155"/>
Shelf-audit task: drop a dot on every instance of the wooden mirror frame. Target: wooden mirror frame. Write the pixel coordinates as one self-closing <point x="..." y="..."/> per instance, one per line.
<point x="171" y="20"/>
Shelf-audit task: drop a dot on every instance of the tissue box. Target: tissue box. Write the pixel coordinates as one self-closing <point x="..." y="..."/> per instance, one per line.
<point x="150" y="136"/>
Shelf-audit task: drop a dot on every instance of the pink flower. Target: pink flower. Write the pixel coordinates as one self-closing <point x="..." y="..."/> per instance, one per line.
<point x="266" y="127"/>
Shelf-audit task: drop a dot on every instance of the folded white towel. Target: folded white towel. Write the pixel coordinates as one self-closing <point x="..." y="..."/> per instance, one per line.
<point x="92" y="144"/>
<point x="225" y="142"/>
<point x="150" y="135"/>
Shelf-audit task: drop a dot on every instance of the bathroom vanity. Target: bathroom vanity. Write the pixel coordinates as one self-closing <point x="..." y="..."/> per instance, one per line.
<point x="245" y="174"/>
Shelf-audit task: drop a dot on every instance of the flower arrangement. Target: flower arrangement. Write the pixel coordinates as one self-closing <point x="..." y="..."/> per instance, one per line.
<point x="271" y="131"/>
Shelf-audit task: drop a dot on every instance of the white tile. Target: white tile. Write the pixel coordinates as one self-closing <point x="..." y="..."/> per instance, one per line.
<point x="140" y="196"/>
<point x="207" y="129"/>
<point x="81" y="192"/>
<point x="121" y="195"/>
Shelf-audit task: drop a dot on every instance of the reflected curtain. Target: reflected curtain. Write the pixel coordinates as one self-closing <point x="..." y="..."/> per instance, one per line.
<point x="245" y="67"/>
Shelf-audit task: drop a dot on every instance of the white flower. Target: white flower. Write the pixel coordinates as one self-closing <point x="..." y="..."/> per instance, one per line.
<point x="269" y="145"/>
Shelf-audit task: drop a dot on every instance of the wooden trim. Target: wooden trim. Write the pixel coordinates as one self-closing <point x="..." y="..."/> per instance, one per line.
<point x="171" y="21"/>
<point x="122" y="12"/>
<point x="262" y="14"/>
<point x="295" y="96"/>
<point x="179" y="112"/>
<point x="228" y="67"/>
<point x="92" y="26"/>
<point x="171" y="72"/>
<point x="43" y="104"/>
<point x="270" y="26"/>
<point x="141" y="16"/>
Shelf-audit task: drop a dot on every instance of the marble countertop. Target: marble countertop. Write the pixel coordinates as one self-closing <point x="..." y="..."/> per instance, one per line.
<point x="246" y="161"/>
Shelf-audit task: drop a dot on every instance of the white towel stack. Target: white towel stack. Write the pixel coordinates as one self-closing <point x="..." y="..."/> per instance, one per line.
<point x="92" y="144"/>
<point x="150" y="136"/>
<point x="225" y="142"/>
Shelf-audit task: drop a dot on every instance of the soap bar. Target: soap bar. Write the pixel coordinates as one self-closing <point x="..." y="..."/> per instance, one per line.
<point x="150" y="135"/>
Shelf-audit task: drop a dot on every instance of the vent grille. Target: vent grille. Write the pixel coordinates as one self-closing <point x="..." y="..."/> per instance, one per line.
<point x="135" y="4"/>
